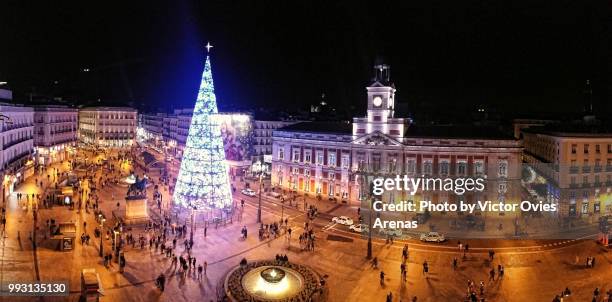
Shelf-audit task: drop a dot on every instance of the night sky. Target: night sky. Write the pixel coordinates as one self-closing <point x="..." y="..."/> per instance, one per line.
<point x="520" y="57"/>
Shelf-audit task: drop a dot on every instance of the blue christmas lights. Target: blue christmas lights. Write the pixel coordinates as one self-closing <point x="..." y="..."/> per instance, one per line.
<point x="203" y="180"/>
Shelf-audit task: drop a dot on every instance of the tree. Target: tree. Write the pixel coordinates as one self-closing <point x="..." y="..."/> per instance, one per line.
<point x="203" y="179"/>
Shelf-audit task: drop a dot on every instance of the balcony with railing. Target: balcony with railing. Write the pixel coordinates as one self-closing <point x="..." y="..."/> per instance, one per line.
<point x="17" y="161"/>
<point x="573" y="170"/>
<point x="17" y="141"/>
<point x="586" y="169"/>
<point x="7" y="127"/>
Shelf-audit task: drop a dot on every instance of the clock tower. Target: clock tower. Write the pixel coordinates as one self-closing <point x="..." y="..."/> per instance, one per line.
<point x="381" y="107"/>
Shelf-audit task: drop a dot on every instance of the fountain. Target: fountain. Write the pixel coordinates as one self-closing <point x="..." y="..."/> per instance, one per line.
<point x="272" y="281"/>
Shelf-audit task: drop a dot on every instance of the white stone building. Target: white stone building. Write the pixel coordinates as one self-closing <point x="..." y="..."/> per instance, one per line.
<point x="151" y="125"/>
<point x="339" y="160"/>
<point x="262" y="134"/>
<point x="110" y="127"/>
<point x="55" y="133"/>
<point x="16" y="130"/>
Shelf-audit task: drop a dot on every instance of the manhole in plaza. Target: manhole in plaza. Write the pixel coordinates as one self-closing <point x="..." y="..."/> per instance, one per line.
<point x="339" y="238"/>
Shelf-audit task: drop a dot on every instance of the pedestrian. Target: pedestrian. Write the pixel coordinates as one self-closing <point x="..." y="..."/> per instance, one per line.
<point x="200" y="272"/>
<point x="425" y="269"/>
<point x="492" y="275"/>
<point x="382" y="278"/>
<point x="454" y="263"/>
<point x="205" y="230"/>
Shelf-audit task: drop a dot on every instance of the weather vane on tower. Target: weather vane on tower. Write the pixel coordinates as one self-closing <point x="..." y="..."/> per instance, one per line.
<point x="208" y="47"/>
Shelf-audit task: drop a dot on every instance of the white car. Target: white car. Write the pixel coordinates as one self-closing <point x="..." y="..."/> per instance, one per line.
<point x="432" y="237"/>
<point x="248" y="192"/>
<point x="390" y="232"/>
<point x="343" y="220"/>
<point x="358" y="228"/>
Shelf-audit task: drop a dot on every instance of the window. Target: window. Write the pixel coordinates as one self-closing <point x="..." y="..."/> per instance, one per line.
<point x="319" y="158"/>
<point x="597" y="179"/>
<point x="427" y="167"/>
<point x="586" y="148"/>
<point x="598" y="162"/>
<point x="307" y="156"/>
<point x="574" y="149"/>
<point x="331" y="159"/>
<point x="444" y="167"/>
<point x="281" y="153"/>
<point x="585" y="163"/>
<point x="307" y="186"/>
<point x="307" y="172"/>
<point x="503" y="169"/>
<point x="609" y="148"/>
<point x="585" y="179"/>
<point x="478" y="168"/>
<point x="502" y="188"/>
<point x="597" y="149"/>
<point x="296" y="155"/>
<point x="295" y="170"/>
<point x="411" y="166"/>
<point x="461" y="168"/>
<point x="331" y="176"/>
<point x="573" y="163"/>
<point x="345" y="161"/>
<point x="573" y="180"/>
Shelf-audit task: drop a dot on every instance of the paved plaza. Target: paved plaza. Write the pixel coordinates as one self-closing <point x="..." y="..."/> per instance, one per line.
<point x="534" y="270"/>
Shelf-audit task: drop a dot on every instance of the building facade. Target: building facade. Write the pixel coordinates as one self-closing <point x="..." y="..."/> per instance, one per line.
<point x="17" y="132"/>
<point x="262" y="134"/>
<point x="108" y="127"/>
<point x="574" y="166"/>
<point x="340" y="160"/>
<point x="55" y="133"/>
<point x="151" y="128"/>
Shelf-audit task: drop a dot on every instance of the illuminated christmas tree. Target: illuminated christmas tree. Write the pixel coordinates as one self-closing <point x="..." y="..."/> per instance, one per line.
<point x="203" y="180"/>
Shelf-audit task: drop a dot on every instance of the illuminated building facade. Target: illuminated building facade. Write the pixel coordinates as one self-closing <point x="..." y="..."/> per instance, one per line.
<point x="17" y="132"/>
<point x="55" y="133"/>
<point x="339" y="159"/>
<point x="110" y="127"/>
<point x="574" y="165"/>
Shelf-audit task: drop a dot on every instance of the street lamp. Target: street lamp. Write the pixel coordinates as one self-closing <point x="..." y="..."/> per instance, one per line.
<point x="101" y="234"/>
<point x="259" y="204"/>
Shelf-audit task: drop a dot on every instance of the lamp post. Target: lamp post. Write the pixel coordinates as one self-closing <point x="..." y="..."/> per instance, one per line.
<point x="192" y="224"/>
<point x="101" y="234"/>
<point x="259" y="204"/>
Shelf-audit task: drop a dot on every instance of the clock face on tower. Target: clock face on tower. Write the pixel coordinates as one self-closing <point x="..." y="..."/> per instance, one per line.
<point x="377" y="101"/>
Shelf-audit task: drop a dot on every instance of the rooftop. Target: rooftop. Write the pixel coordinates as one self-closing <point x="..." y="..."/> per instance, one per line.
<point x="320" y="127"/>
<point x="573" y="130"/>
<point x="457" y="132"/>
<point x="106" y="108"/>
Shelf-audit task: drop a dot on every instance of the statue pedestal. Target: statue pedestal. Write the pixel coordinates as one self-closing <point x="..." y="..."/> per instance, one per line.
<point x="136" y="210"/>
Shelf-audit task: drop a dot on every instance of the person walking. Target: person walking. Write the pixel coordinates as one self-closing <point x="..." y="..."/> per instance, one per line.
<point x="382" y="278"/>
<point x="200" y="272"/>
<point x="426" y="269"/>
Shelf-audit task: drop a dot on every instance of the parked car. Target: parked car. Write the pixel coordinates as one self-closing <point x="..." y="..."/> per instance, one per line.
<point x="343" y="220"/>
<point x="432" y="237"/>
<point x="248" y="192"/>
<point x="359" y="228"/>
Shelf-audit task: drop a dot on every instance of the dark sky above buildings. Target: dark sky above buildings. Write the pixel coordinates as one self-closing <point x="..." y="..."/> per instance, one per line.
<point x="510" y="56"/>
